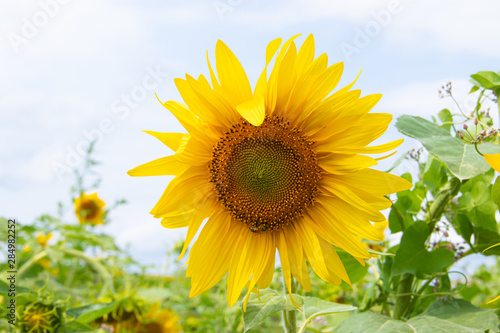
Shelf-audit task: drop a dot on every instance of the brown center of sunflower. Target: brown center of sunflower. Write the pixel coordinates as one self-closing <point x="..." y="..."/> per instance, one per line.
<point x="265" y="176"/>
<point x="89" y="209"/>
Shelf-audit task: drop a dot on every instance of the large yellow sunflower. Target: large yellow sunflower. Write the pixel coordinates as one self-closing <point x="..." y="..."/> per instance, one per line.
<point x="282" y="167"/>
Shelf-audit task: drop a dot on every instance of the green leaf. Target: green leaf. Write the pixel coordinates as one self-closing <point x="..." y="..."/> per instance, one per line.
<point x="456" y="316"/>
<point x="76" y="327"/>
<point x="371" y="322"/>
<point x="269" y="303"/>
<point x="440" y="317"/>
<point x="406" y="207"/>
<point x="485" y="238"/>
<point x="413" y="257"/>
<point x="434" y="174"/>
<point x="461" y="159"/>
<point x="445" y="117"/>
<point x="465" y="228"/>
<point x="495" y="192"/>
<point x="474" y="89"/>
<point x="487" y="79"/>
<point x="86" y="314"/>
<point x="315" y="307"/>
<point x="477" y="203"/>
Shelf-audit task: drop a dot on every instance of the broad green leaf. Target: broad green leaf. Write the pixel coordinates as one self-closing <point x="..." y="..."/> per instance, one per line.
<point x="269" y="303"/>
<point x="484" y="238"/>
<point x="440" y="317"/>
<point x="470" y="291"/>
<point x="413" y="257"/>
<point x="315" y="307"/>
<point x="434" y="174"/>
<point x="371" y="322"/>
<point x="487" y="79"/>
<point x="77" y="327"/>
<point x="458" y="316"/>
<point x="476" y="202"/>
<point x="461" y="159"/>
<point x="446" y="117"/>
<point x="86" y="314"/>
<point x="463" y="226"/>
<point x="495" y="192"/>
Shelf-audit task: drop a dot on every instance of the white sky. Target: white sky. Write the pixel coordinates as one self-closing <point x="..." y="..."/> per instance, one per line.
<point x="63" y="73"/>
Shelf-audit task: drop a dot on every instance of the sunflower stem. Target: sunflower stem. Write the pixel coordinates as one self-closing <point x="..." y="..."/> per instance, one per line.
<point x="290" y="317"/>
<point x="404" y="296"/>
<point x="441" y="201"/>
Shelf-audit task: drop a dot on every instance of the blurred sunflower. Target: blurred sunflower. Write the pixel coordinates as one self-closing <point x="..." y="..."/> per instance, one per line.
<point x="40" y="318"/>
<point x="159" y="321"/>
<point x="282" y="167"/>
<point x="89" y="209"/>
<point x="43" y="239"/>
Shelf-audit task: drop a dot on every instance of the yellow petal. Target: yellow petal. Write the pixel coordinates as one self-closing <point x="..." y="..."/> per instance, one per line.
<point x="378" y="149"/>
<point x="341" y="163"/>
<point x="190" y="187"/>
<point x="208" y="259"/>
<point x="314" y="253"/>
<point x="177" y="220"/>
<point x="201" y="211"/>
<point x="375" y="182"/>
<point x="240" y="269"/>
<point x="343" y="192"/>
<point x="493" y="160"/>
<point x="232" y="76"/>
<point x="265" y="248"/>
<point x="271" y="50"/>
<point x="353" y="219"/>
<point x="285" y="264"/>
<point x="168" y="165"/>
<point x="171" y="140"/>
<point x="306" y="54"/>
<point x="254" y="110"/>
<point x="298" y="265"/>
<point x="320" y="221"/>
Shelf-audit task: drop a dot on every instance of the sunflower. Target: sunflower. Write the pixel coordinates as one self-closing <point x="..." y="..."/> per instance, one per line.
<point x="280" y="168"/>
<point x="89" y="209"/>
<point x="43" y="239"/>
<point x="160" y="321"/>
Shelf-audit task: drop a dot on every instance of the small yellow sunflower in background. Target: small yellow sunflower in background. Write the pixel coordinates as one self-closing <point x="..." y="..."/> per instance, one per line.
<point x="43" y="239"/>
<point x="282" y="167"/>
<point x="89" y="209"/>
<point x="160" y="321"/>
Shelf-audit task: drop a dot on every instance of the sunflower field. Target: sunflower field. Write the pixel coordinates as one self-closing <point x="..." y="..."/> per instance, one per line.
<point x="290" y="226"/>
